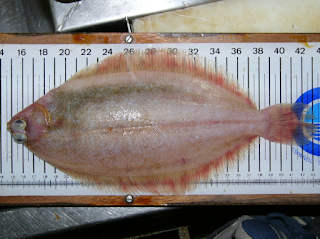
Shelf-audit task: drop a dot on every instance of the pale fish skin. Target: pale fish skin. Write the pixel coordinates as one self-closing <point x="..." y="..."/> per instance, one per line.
<point x="147" y="123"/>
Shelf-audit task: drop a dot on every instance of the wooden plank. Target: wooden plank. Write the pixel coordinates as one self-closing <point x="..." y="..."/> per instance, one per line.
<point x="108" y="38"/>
<point x="268" y="199"/>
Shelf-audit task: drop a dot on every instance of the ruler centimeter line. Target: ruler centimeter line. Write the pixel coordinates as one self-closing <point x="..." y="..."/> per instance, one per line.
<point x="269" y="73"/>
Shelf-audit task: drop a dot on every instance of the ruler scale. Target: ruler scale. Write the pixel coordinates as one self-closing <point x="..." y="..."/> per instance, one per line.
<point x="270" y="73"/>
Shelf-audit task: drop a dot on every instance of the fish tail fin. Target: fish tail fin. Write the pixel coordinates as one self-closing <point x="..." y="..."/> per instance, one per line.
<point x="286" y="126"/>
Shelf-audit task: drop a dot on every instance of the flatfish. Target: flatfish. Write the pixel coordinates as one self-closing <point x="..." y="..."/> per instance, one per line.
<point x="149" y="123"/>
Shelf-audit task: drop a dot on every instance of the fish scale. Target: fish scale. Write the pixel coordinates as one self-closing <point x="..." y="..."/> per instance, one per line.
<point x="233" y="76"/>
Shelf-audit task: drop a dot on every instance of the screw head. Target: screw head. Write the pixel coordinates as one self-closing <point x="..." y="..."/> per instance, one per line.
<point x="129" y="199"/>
<point x="129" y="39"/>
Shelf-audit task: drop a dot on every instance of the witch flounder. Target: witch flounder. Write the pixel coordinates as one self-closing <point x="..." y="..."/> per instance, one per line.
<point x="148" y="122"/>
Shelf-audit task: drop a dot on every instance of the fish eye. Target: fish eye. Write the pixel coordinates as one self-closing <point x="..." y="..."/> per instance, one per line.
<point x="18" y="124"/>
<point x="19" y="138"/>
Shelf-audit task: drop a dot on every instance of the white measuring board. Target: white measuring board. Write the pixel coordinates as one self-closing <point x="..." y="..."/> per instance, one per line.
<point x="271" y="73"/>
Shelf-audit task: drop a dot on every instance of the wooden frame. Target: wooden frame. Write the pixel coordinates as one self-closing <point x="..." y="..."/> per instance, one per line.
<point x="123" y="38"/>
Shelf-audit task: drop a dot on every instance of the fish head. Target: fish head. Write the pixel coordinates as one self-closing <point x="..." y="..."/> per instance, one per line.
<point x="27" y="126"/>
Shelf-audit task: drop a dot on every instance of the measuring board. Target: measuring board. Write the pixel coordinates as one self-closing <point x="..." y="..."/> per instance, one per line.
<point x="272" y="69"/>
